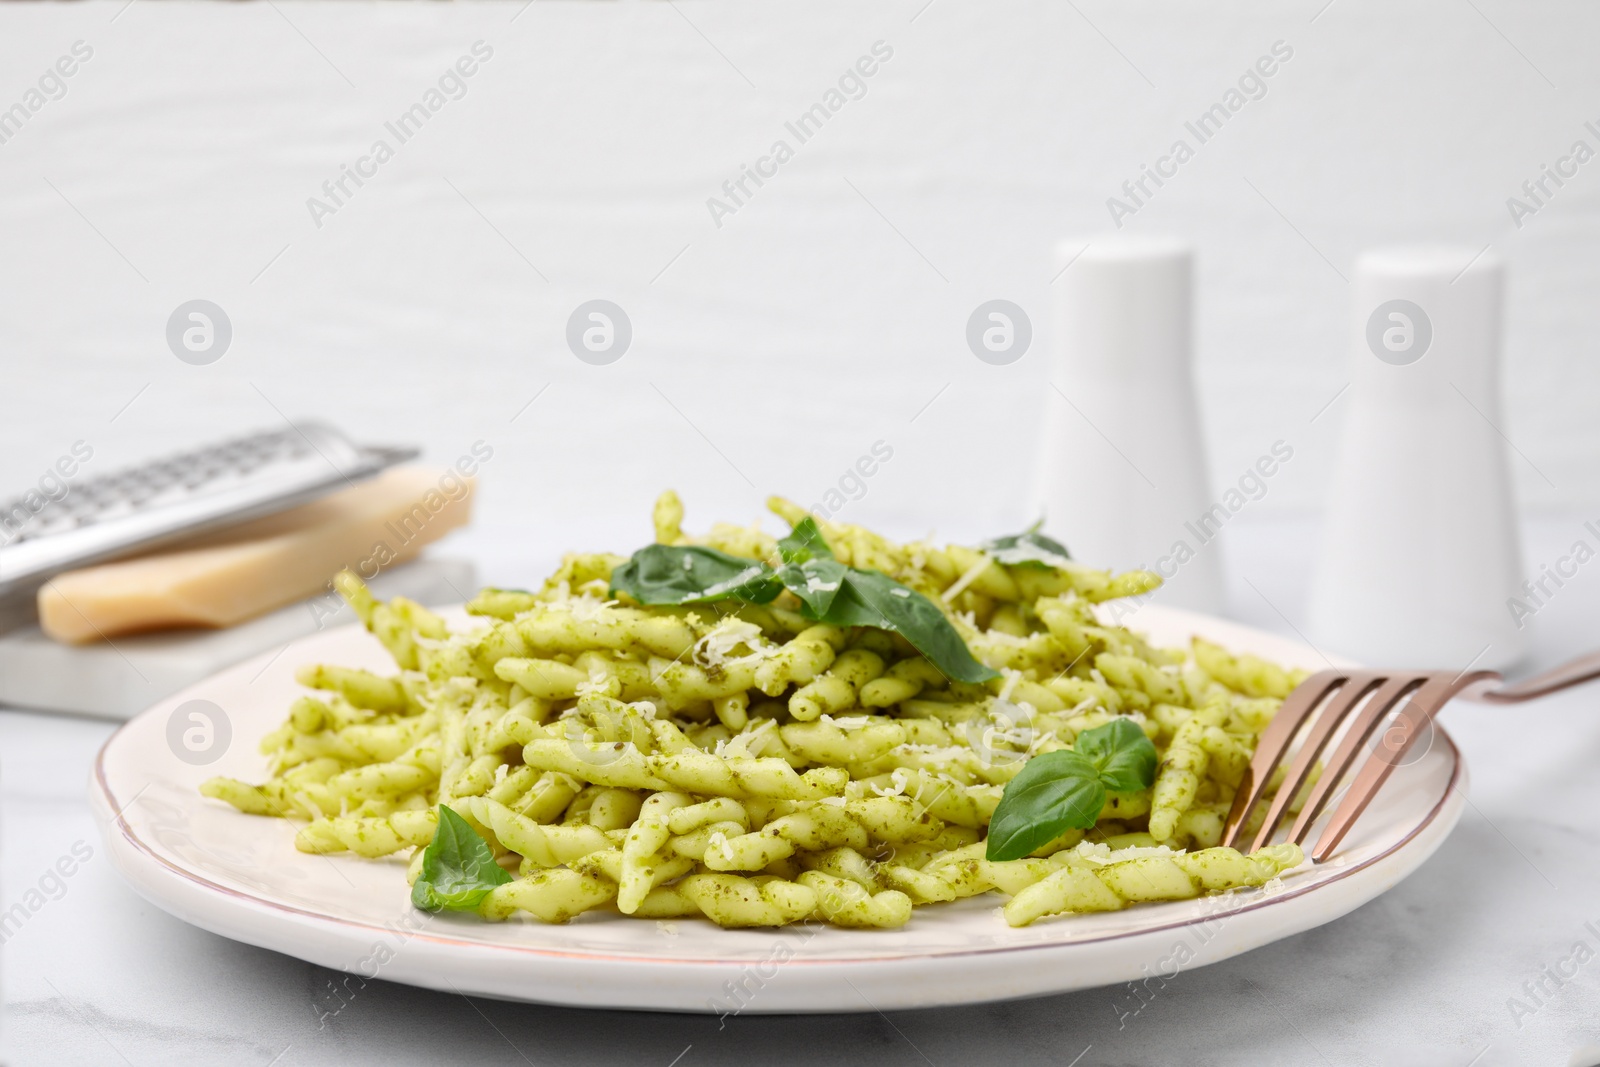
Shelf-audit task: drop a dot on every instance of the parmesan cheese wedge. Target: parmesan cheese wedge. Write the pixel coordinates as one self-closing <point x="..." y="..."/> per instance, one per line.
<point x="250" y="569"/>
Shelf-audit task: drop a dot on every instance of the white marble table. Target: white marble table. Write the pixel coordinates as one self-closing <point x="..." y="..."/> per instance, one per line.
<point x="1421" y="976"/>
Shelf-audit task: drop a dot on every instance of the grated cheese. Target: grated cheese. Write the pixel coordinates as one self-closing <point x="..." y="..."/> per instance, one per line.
<point x="848" y="722"/>
<point x="961" y="583"/>
<point x="898" y="779"/>
<point x="715" y="649"/>
<point x="1102" y="854"/>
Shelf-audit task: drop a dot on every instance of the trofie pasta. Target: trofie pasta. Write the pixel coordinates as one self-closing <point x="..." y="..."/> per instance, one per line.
<point x="762" y="731"/>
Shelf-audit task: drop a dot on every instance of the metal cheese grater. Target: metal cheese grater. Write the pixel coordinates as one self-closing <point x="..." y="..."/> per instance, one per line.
<point x="177" y="497"/>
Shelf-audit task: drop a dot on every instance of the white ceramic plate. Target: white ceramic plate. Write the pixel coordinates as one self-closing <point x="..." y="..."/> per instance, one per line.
<point x="240" y="876"/>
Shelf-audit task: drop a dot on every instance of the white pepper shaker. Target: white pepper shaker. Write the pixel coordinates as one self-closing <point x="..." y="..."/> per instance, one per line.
<point x="1123" y="469"/>
<point x="1420" y="549"/>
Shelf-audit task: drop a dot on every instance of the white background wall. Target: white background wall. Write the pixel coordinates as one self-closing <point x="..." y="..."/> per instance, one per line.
<point x="830" y="309"/>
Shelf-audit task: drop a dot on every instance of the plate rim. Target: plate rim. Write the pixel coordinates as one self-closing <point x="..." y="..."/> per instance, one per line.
<point x="111" y="816"/>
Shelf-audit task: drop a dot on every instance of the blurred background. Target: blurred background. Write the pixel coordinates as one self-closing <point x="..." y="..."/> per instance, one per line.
<point x="774" y="343"/>
<point x="539" y="157"/>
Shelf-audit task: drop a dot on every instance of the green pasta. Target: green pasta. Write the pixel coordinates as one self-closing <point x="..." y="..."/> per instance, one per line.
<point x="728" y="755"/>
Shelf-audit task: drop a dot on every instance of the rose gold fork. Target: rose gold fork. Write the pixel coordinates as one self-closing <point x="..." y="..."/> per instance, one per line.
<point x="1363" y="698"/>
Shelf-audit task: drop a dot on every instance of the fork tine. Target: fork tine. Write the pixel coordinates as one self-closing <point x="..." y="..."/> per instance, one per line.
<point x="1337" y="708"/>
<point x="1275" y="741"/>
<point x="1333" y="771"/>
<point x="1416" y="713"/>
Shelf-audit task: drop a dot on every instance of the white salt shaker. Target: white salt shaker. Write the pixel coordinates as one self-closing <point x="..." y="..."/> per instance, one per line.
<point x="1421" y="551"/>
<point x="1123" y="474"/>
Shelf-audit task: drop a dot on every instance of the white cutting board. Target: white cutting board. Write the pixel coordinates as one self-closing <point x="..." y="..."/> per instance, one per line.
<point x="117" y="679"/>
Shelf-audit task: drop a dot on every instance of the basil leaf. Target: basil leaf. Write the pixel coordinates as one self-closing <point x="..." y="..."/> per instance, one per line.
<point x="693" y="574"/>
<point x="458" y="868"/>
<point x="1122" y="755"/>
<point x="871" y="598"/>
<point x="804" y="542"/>
<point x="1027" y="549"/>
<point x="817" y="583"/>
<point x="1053" y="793"/>
<point x="829" y="592"/>
<point x="1066" y="789"/>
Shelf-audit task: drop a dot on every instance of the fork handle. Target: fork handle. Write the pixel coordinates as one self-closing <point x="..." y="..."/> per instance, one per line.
<point x="1569" y="674"/>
